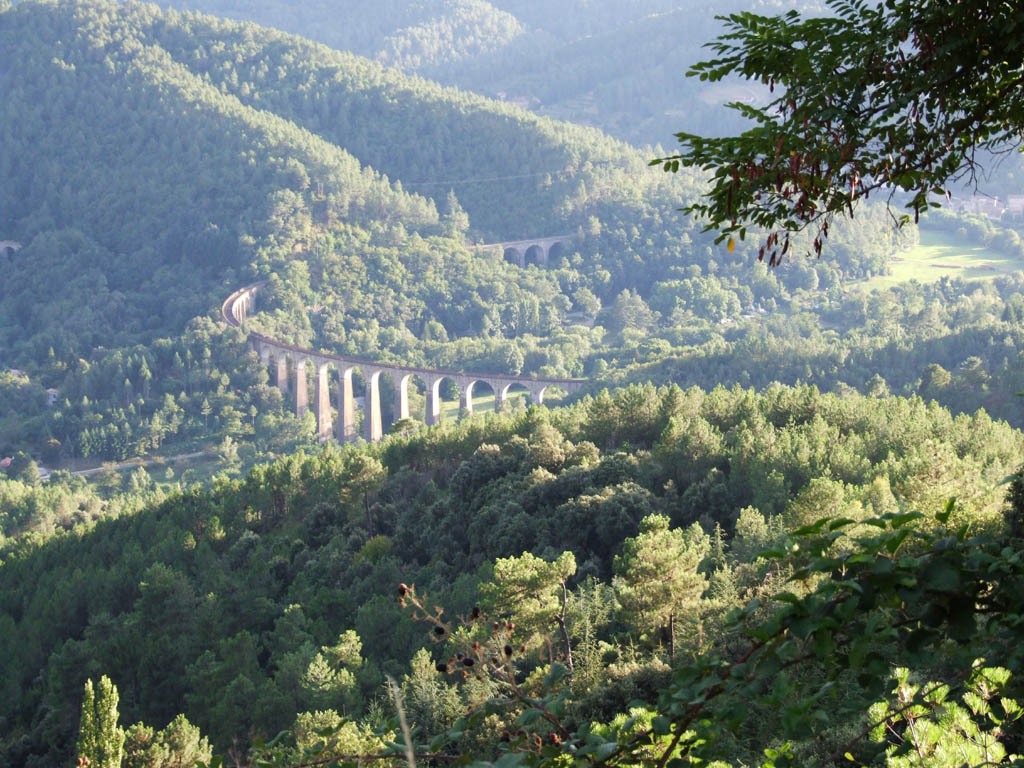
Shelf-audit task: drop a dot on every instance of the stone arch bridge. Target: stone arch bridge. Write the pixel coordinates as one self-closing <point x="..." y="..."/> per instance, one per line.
<point x="289" y="363"/>
<point x="537" y="250"/>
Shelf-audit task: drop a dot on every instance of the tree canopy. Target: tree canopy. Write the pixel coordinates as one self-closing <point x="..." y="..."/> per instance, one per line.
<point x="898" y="99"/>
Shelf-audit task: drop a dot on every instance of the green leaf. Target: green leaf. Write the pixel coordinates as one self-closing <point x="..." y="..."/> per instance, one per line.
<point x="940" y="576"/>
<point x="900" y="520"/>
<point x="894" y="543"/>
<point x="273" y="742"/>
<point x="943" y="516"/>
<point x="604" y="751"/>
<point x="842" y="522"/>
<point x="812" y="529"/>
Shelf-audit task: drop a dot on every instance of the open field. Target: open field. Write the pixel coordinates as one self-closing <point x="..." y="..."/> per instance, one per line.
<point x="939" y="254"/>
<point x="484" y="404"/>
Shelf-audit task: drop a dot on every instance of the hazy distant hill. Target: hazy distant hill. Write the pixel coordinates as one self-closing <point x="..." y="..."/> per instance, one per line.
<point x="412" y="33"/>
<point x="618" y="66"/>
<point x="515" y="174"/>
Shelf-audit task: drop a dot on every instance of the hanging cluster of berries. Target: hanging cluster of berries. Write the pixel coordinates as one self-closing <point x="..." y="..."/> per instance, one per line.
<point x="487" y="651"/>
<point x="492" y="655"/>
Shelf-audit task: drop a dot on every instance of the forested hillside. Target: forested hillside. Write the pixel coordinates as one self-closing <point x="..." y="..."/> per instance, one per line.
<point x="176" y="157"/>
<point x="140" y="187"/>
<point x="608" y="560"/>
<point x="141" y="193"/>
<point x="227" y="605"/>
<point x="218" y="153"/>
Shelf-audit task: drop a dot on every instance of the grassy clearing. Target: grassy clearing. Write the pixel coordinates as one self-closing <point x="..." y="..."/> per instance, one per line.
<point x="938" y="255"/>
<point x="484" y="404"/>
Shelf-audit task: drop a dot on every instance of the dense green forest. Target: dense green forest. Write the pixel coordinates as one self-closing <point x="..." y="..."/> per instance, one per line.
<point x="254" y="154"/>
<point x="234" y="170"/>
<point x="155" y="160"/>
<point x="224" y="603"/>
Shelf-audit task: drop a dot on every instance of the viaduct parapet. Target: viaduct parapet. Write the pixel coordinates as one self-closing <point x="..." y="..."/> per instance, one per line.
<point x="538" y="250"/>
<point x="289" y="362"/>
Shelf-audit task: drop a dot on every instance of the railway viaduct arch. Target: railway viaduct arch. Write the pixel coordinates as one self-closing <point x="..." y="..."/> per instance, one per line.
<point x="537" y="250"/>
<point x="289" y="364"/>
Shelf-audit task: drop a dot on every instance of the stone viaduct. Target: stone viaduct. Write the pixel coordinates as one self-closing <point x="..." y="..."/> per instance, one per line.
<point x="289" y="363"/>
<point x="534" y="251"/>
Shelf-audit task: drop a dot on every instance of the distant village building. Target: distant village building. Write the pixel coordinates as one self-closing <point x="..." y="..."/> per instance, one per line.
<point x="6" y="462"/>
<point x="989" y="206"/>
<point x="979" y="204"/>
<point x="1015" y="204"/>
<point x="523" y="102"/>
<point x="51" y="397"/>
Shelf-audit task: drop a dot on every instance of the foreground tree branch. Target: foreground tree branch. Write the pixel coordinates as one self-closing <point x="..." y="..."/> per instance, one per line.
<point x="895" y="99"/>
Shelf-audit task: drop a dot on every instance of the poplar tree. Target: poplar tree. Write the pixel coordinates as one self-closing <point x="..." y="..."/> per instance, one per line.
<point x="100" y="740"/>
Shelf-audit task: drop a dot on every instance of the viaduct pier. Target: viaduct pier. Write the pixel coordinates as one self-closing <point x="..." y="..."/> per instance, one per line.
<point x="289" y="363"/>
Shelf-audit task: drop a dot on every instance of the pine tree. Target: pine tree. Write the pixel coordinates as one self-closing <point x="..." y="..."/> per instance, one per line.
<point x="656" y="577"/>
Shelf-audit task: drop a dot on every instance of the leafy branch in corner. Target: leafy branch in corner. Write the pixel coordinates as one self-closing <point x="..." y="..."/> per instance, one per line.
<point x="895" y="98"/>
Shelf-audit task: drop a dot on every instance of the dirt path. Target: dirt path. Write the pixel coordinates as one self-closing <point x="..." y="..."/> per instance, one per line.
<point x="131" y="463"/>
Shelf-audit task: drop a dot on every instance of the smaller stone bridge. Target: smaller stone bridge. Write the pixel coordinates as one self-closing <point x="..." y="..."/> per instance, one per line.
<point x="537" y="250"/>
<point x="9" y="247"/>
<point x="289" y="363"/>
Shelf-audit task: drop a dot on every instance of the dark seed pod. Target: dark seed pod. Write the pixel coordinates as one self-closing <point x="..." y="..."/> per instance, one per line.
<point x="439" y="630"/>
<point x="458" y="656"/>
<point x="508" y="651"/>
<point x="402" y="590"/>
<point x="468" y="662"/>
<point x="476" y="612"/>
<point x="506" y="736"/>
<point x="441" y="667"/>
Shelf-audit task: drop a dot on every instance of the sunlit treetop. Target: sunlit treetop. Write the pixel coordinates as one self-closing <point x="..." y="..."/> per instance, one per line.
<point x="896" y="98"/>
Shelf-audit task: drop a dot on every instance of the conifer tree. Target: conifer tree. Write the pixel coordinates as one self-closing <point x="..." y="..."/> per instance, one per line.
<point x="656" y="577"/>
